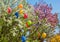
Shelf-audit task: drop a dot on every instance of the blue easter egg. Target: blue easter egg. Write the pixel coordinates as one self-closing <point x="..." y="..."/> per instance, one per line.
<point x="23" y="38"/>
<point x="16" y="14"/>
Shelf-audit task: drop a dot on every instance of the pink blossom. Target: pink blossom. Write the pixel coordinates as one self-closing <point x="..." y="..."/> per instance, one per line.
<point x="44" y="11"/>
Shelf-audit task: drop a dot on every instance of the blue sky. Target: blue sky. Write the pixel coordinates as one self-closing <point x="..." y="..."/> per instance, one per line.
<point x="55" y="4"/>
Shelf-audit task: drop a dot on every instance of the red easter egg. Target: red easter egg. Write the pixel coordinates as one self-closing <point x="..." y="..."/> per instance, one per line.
<point x="27" y="24"/>
<point x="9" y="10"/>
<point x="25" y="16"/>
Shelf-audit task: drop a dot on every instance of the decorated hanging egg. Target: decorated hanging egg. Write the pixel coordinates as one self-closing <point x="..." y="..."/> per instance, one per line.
<point x="36" y="16"/>
<point x="29" y="22"/>
<point x="44" y="35"/>
<point x="9" y="10"/>
<point x="27" y="33"/>
<point x="25" y="16"/>
<point x="16" y="14"/>
<point x="20" y="6"/>
<point x="38" y="34"/>
<point x="23" y="38"/>
<point x="21" y="11"/>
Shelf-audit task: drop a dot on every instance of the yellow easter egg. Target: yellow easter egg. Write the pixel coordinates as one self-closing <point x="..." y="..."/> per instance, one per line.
<point x="21" y="11"/>
<point x="44" y="35"/>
